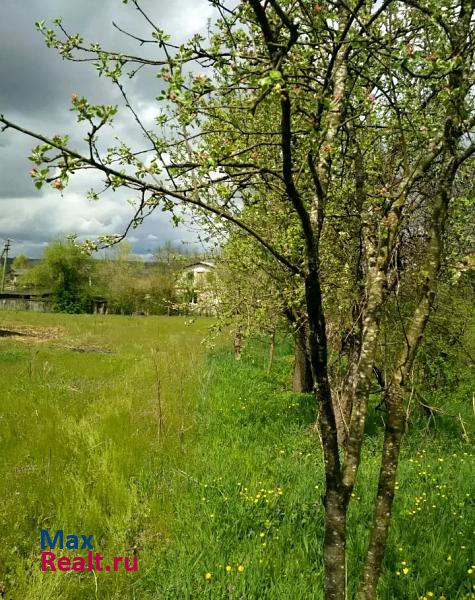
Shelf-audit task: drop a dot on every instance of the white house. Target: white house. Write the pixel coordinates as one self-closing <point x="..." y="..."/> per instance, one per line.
<point x="196" y="286"/>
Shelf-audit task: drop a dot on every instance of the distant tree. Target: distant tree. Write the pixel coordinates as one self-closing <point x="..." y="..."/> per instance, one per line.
<point x="115" y="278"/>
<point x="131" y="286"/>
<point x="20" y="262"/>
<point x="256" y="296"/>
<point x="66" y="270"/>
<point x="175" y="256"/>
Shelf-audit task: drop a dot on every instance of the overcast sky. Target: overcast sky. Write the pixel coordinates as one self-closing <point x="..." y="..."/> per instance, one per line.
<point x="35" y="90"/>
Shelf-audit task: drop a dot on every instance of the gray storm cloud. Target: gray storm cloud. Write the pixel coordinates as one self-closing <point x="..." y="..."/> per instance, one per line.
<point x="35" y="91"/>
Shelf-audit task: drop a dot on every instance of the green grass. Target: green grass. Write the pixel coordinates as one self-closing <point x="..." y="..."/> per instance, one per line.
<point x="80" y="447"/>
<point x="255" y="499"/>
<point x="231" y="490"/>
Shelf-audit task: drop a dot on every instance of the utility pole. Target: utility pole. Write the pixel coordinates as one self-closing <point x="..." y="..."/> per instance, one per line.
<point x="5" y="257"/>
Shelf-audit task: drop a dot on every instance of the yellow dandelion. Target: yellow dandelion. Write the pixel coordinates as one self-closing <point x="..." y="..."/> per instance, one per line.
<point x="208" y="576"/>
<point x="240" y="568"/>
<point x="228" y="568"/>
<point x="449" y="558"/>
<point x="262" y="534"/>
<point x="405" y="570"/>
<point x="430" y="594"/>
<point x="470" y="571"/>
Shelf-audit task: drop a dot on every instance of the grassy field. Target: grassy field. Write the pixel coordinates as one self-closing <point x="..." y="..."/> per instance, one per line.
<point x="208" y="469"/>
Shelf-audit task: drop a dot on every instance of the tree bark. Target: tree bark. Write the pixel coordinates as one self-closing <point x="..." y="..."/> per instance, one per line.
<point x="302" y="380"/>
<point x="270" y="359"/>
<point x="395" y="422"/>
<point x="384" y="501"/>
<point x="394" y="430"/>
<point x="335" y="500"/>
<point x="361" y="372"/>
<point x="343" y="402"/>
<point x="334" y="544"/>
<point x="237" y="345"/>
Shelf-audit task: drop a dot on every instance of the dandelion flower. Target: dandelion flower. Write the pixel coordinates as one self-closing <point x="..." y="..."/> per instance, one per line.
<point x="228" y="568"/>
<point x="208" y="576"/>
<point x="405" y="570"/>
<point x="240" y="568"/>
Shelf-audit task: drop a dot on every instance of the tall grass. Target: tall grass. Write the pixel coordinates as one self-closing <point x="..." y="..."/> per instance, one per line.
<point x="224" y="501"/>
<point x="250" y="524"/>
<point x="80" y="442"/>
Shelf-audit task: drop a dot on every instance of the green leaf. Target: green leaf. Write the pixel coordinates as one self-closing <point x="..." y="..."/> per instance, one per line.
<point x="275" y="76"/>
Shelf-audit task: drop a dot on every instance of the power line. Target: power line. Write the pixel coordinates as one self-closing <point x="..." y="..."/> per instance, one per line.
<point x="6" y="248"/>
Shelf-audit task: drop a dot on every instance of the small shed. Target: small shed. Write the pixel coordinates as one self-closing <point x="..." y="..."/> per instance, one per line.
<point x="37" y="301"/>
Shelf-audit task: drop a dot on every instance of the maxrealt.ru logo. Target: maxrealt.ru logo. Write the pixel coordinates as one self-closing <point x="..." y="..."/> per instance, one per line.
<point x="93" y="561"/>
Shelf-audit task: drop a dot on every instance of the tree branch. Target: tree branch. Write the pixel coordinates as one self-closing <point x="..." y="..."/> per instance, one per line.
<point x="157" y="189"/>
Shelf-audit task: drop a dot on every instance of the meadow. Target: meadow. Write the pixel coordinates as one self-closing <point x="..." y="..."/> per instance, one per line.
<point x="206" y="468"/>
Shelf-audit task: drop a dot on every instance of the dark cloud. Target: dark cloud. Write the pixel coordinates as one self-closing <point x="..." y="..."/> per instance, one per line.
<point x="14" y="166"/>
<point x="35" y="80"/>
<point x="35" y="90"/>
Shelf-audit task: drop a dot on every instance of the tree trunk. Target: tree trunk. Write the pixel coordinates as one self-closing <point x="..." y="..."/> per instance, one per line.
<point x="334" y="545"/>
<point x="394" y="430"/>
<point x="270" y="359"/>
<point x="335" y="501"/>
<point x="343" y="403"/>
<point x="357" y="385"/>
<point x="302" y="380"/>
<point x="237" y="345"/>
<point x="385" y="496"/>
<point x="395" y="422"/>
